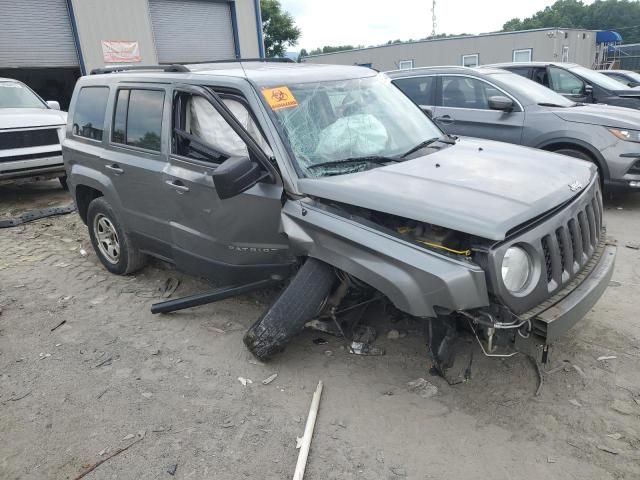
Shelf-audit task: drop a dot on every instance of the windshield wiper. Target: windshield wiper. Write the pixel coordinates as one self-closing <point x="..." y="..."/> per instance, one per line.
<point x="346" y="161"/>
<point x="546" y="104"/>
<point x="448" y="139"/>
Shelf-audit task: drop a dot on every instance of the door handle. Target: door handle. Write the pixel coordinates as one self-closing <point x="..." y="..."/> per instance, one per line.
<point x="176" y="185"/>
<point x="115" y="168"/>
<point x="444" y="119"/>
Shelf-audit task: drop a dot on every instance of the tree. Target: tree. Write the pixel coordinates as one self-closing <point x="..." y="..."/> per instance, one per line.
<point x="278" y="27"/>
<point x="303" y="53"/>
<point x="620" y="15"/>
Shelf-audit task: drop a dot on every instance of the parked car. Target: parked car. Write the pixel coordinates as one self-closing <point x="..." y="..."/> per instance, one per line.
<point x="30" y="134"/>
<point x="498" y="105"/>
<point x="331" y="177"/>
<point x="576" y="82"/>
<point x="626" y="77"/>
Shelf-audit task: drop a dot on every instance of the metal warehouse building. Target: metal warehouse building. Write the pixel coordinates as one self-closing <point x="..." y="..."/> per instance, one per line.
<point x="48" y="44"/>
<point x="548" y="44"/>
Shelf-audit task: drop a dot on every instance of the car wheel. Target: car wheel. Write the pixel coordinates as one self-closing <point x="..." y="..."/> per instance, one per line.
<point x="111" y="242"/>
<point x="298" y="303"/>
<point x="63" y="183"/>
<point x="570" y="152"/>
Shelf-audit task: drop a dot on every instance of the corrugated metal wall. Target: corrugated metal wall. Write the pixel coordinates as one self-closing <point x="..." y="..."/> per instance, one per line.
<point x="192" y="30"/>
<point x="36" y="33"/>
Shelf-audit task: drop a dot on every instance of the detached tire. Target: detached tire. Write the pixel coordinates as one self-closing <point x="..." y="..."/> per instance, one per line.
<point x="111" y="242"/>
<point x="298" y="303"/>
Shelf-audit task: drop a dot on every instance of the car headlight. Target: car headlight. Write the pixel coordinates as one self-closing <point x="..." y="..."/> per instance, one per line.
<point x="517" y="269"/>
<point x="626" y="134"/>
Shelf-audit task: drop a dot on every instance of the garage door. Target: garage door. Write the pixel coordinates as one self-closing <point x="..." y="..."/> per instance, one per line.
<point x="36" y="33"/>
<point x="192" y="30"/>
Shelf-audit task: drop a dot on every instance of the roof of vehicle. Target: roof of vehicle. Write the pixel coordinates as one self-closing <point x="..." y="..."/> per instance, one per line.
<point x="260" y="72"/>
<point x="530" y="64"/>
<point x="615" y="71"/>
<point x="410" y="72"/>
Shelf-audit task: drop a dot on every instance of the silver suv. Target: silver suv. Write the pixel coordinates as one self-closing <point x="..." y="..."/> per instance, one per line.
<point x="329" y="180"/>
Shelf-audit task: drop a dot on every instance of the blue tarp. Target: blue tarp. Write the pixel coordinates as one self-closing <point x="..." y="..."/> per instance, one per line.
<point x="608" y="36"/>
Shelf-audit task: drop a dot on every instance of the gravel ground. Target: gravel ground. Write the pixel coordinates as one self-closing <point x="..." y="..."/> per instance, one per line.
<point x="113" y="374"/>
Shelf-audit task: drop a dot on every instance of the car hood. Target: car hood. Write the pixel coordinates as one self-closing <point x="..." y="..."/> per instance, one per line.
<point x="479" y="187"/>
<point x="30" y="117"/>
<point x="600" y="114"/>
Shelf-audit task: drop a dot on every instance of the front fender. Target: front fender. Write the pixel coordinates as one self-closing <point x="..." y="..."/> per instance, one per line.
<point x="414" y="279"/>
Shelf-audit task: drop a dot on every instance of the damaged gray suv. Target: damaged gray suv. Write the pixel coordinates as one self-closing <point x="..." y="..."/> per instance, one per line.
<point x="330" y="182"/>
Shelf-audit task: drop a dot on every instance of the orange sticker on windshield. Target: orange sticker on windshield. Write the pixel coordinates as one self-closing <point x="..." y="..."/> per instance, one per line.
<point x="279" y="97"/>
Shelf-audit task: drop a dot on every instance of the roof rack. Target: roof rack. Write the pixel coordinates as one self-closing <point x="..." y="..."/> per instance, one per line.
<point x="128" y="68"/>
<point x="237" y="60"/>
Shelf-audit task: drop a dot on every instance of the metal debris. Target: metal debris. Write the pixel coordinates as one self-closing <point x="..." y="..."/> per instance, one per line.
<point x="245" y="381"/>
<point x="633" y="245"/>
<point x="59" y="325"/>
<point x="607" y="357"/>
<point x="32" y="215"/>
<point x="607" y="449"/>
<point x="172" y="469"/>
<point x="361" y="348"/>
<point x="575" y="402"/>
<point x="423" y="387"/>
<point x="269" y="379"/>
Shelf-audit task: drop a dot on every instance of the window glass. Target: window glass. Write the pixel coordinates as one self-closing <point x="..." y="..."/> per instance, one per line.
<point x="203" y="121"/>
<point x="18" y="95"/>
<point x="522" y="55"/>
<point x="470" y="60"/>
<point x="418" y="89"/>
<point x="144" y="119"/>
<point x="467" y="92"/>
<point x="565" y="53"/>
<point x="120" y="117"/>
<point x="90" y="110"/>
<point x="565" y="82"/>
<point x="541" y="76"/>
<point x="405" y="64"/>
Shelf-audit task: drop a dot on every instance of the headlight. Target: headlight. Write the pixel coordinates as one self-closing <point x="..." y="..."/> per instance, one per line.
<point x="517" y="268"/>
<point x="626" y="135"/>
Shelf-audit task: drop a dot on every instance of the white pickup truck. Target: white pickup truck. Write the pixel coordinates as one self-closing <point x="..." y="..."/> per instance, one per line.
<point x="30" y="134"/>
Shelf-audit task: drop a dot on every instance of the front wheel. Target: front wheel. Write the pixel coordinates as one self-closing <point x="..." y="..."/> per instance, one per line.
<point x="111" y="242"/>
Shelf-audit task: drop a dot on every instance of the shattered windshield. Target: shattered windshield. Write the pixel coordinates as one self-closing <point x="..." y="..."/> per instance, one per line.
<point x="349" y="125"/>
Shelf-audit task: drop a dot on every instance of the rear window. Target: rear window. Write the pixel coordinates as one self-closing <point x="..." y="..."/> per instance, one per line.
<point x="90" y="110"/>
<point x="138" y="118"/>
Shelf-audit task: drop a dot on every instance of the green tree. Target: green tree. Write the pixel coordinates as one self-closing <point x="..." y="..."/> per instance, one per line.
<point x="620" y="15"/>
<point x="278" y="27"/>
<point x="303" y="53"/>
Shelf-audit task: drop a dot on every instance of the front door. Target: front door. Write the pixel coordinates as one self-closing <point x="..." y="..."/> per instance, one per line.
<point x="463" y="109"/>
<point x="233" y="240"/>
<point x="567" y="84"/>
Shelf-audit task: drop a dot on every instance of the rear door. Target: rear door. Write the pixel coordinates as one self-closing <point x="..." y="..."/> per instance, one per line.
<point x="462" y="108"/>
<point x="136" y="160"/>
<point x="229" y="240"/>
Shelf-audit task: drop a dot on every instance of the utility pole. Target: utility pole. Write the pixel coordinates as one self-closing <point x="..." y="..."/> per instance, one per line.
<point x="433" y="19"/>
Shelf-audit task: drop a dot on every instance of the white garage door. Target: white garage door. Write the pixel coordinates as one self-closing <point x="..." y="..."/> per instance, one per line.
<point x="192" y="30"/>
<point x="36" y="33"/>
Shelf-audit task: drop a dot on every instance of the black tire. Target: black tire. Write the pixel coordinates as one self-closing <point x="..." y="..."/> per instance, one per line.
<point x="63" y="183"/>
<point x="298" y="303"/>
<point x="129" y="258"/>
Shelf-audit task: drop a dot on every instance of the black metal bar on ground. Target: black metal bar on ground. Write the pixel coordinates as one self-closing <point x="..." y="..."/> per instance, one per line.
<point x="32" y="215"/>
<point x="210" y="297"/>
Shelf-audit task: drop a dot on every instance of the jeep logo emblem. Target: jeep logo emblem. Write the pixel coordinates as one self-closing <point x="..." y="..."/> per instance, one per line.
<point x="575" y="186"/>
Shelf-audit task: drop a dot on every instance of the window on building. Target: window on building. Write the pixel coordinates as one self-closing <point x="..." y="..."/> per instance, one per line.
<point x="90" y="110"/>
<point x="137" y="119"/>
<point x="565" y="53"/>
<point x="418" y="89"/>
<point x="467" y="92"/>
<point x="523" y="55"/>
<point x="472" y="60"/>
<point x="565" y="82"/>
<point x="405" y="64"/>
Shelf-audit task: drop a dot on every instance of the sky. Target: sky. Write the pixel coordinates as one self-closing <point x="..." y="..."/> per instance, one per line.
<point x="371" y="22"/>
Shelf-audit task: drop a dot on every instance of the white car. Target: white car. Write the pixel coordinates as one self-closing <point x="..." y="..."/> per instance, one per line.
<point x="30" y="134"/>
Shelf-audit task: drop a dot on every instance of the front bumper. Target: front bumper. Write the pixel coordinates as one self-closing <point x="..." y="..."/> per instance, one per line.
<point x="557" y="315"/>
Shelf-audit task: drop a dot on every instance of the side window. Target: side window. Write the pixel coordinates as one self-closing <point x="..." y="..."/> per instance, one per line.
<point x="467" y="92"/>
<point x="565" y="82"/>
<point x="90" y="110"/>
<point x="201" y="133"/>
<point x="523" y="72"/>
<point x="418" y="89"/>
<point x="541" y="76"/>
<point x="137" y="119"/>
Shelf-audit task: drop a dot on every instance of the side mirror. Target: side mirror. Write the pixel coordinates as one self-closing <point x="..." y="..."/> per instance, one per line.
<point x="500" y="102"/>
<point x="588" y="90"/>
<point x="52" y="104"/>
<point x="236" y="175"/>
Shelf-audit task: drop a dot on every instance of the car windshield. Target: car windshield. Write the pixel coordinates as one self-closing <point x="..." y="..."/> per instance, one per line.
<point x="525" y="89"/>
<point x="598" y="79"/>
<point x="17" y="95"/>
<point x="343" y="122"/>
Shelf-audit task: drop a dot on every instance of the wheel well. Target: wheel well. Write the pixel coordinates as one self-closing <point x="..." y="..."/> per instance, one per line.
<point x="572" y="146"/>
<point x="84" y="196"/>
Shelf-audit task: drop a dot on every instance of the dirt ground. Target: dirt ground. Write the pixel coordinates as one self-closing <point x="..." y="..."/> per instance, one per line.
<point x="113" y="373"/>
